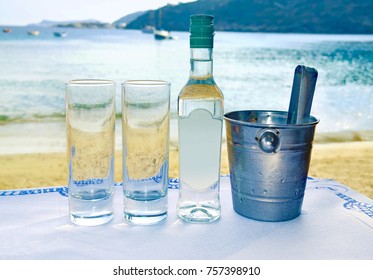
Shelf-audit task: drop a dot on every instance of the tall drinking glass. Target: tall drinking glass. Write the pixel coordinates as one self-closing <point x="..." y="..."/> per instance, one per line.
<point x="90" y="122"/>
<point x="145" y="121"/>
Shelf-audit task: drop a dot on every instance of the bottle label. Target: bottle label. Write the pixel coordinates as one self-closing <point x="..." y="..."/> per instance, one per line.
<point x="200" y="149"/>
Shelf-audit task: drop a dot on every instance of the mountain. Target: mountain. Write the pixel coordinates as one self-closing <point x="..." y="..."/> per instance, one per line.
<point x="88" y="24"/>
<point x="123" y="21"/>
<point x="293" y="16"/>
<point x="50" y="23"/>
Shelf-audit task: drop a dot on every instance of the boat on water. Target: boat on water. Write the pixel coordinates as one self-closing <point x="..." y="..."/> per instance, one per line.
<point x="60" y="34"/>
<point x="34" y="32"/>
<point x="7" y="30"/>
<point x="160" y="33"/>
<point x="163" y="35"/>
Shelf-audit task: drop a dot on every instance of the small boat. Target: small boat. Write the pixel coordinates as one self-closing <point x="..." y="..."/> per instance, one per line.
<point x="163" y="35"/>
<point x="148" y="29"/>
<point x="34" y="32"/>
<point x="7" y="30"/>
<point x="60" y="34"/>
<point x="160" y="33"/>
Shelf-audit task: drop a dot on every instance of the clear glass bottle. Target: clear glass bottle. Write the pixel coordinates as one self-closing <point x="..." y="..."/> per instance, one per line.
<point x="200" y="120"/>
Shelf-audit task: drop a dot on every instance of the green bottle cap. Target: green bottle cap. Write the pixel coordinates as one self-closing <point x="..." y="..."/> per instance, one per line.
<point x="201" y="31"/>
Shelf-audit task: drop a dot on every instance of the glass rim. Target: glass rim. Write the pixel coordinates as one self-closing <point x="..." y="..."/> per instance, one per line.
<point x="229" y="116"/>
<point x="90" y="82"/>
<point x="146" y="83"/>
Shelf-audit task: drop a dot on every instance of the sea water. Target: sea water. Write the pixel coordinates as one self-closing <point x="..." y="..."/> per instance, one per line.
<point x="254" y="70"/>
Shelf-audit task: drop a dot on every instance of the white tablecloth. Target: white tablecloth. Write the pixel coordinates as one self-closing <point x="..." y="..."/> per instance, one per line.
<point x="336" y="223"/>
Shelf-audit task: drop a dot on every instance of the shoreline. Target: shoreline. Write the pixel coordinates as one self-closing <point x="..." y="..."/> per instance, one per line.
<point x="345" y="162"/>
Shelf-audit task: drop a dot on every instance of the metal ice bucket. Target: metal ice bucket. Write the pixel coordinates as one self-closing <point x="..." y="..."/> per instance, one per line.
<point x="269" y="162"/>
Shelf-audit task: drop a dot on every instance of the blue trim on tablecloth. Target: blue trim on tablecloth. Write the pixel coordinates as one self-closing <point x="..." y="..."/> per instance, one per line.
<point x="173" y="183"/>
<point x="62" y="190"/>
<point x="351" y="204"/>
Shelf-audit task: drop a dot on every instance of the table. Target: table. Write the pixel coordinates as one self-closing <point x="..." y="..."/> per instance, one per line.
<point x="336" y="223"/>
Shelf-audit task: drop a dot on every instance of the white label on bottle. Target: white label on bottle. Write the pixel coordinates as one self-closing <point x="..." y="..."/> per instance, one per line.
<point x="200" y="148"/>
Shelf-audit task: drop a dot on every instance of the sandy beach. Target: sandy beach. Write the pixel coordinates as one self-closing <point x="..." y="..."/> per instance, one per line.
<point x="350" y="163"/>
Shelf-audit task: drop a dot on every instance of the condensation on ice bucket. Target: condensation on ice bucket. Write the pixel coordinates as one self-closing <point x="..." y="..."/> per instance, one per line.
<point x="269" y="162"/>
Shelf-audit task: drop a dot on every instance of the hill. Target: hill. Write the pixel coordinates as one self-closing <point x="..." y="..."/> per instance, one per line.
<point x="127" y="19"/>
<point x="50" y="23"/>
<point x="93" y="25"/>
<point x="293" y="16"/>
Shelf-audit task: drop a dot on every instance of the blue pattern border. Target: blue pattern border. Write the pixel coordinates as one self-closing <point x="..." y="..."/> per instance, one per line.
<point x="350" y="204"/>
<point x="173" y="183"/>
<point x="61" y="190"/>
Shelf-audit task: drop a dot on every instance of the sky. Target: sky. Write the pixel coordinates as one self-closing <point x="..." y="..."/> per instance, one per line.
<point x="23" y="12"/>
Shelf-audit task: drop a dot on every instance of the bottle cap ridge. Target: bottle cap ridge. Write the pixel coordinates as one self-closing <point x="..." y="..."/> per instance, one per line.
<point x="201" y="31"/>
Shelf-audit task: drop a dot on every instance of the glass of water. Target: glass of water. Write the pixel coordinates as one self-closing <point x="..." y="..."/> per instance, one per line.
<point x="145" y="126"/>
<point x="90" y="123"/>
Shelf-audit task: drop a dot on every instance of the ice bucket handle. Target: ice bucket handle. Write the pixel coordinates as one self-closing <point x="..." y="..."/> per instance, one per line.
<point x="268" y="140"/>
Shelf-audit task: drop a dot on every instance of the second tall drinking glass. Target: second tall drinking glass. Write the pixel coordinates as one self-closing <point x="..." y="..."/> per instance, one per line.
<point x="145" y="122"/>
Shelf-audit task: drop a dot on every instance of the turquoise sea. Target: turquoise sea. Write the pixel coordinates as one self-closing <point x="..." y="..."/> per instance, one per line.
<point x="254" y="71"/>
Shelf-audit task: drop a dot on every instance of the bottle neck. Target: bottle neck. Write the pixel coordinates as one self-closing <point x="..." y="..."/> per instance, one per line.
<point x="201" y="63"/>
